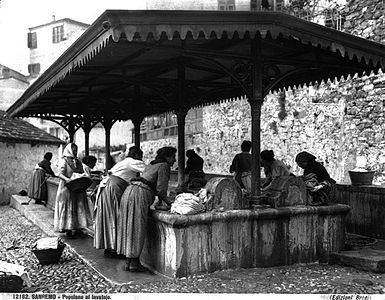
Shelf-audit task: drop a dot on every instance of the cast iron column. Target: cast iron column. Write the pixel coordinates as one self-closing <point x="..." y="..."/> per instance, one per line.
<point x="137" y="120"/>
<point x="87" y="129"/>
<point x="256" y="101"/>
<point x="71" y="128"/>
<point x="137" y="123"/>
<point x="107" y="127"/>
<point x="181" y="119"/>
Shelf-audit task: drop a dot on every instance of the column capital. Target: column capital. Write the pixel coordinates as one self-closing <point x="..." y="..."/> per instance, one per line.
<point x="137" y="120"/>
<point x="181" y="112"/>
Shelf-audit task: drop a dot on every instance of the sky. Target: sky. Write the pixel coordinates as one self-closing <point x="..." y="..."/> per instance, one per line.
<point x="16" y="16"/>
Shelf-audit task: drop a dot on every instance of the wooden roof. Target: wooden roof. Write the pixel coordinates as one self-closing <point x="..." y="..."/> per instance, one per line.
<point x="130" y="63"/>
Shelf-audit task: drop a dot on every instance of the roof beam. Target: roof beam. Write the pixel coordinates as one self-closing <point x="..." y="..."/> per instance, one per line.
<point x="134" y="55"/>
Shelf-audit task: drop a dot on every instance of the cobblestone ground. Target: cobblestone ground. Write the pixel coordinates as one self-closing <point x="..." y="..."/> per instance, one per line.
<point x="72" y="275"/>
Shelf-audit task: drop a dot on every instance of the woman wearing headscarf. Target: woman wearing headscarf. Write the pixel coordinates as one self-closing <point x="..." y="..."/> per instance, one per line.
<point x="317" y="179"/>
<point x="135" y="204"/>
<point x="273" y="168"/>
<point x="72" y="212"/>
<point x="108" y="197"/>
<point x="38" y="185"/>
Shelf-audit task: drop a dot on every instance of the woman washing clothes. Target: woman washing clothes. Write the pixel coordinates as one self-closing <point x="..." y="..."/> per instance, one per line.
<point x="108" y="198"/>
<point x="317" y="179"/>
<point x="72" y="212"/>
<point x="135" y="204"/>
<point x="273" y="168"/>
<point x="241" y="166"/>
<point x="38" y="185"/>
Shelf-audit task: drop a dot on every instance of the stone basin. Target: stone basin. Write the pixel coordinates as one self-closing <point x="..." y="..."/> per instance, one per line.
<point x="185" y="245"/>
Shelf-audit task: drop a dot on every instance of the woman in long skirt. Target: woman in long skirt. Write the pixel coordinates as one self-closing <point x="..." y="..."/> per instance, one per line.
<point x="38" y="186"/>
<point x="135" y="204"/>
<point x="72" y="212"/>
<point x="108" y="200"/>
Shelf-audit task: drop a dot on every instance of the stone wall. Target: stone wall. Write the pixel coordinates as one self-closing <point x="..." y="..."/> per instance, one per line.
<point x="364" y="115"/>
<point x="150" y="147"/>
<point x="365" y="19"/>
<point x="18" y="161"/>
<point x="226" y="125"/>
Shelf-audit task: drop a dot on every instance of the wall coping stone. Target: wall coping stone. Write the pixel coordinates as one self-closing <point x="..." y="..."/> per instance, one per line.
<point x="371" y="189"/>
<point x="181" y="221"/>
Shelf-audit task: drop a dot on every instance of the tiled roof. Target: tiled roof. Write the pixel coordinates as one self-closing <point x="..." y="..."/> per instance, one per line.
<point x="65" y="20"/>
<point x="17" y="130"/>
<point x="12" y="74"/>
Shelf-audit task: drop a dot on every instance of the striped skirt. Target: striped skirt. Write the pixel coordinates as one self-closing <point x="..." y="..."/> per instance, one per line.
<point x="133" y="215"/>
<point x="106" y="213"/>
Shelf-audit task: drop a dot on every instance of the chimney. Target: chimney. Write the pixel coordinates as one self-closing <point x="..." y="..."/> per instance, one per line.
<point x="53" y="17"/>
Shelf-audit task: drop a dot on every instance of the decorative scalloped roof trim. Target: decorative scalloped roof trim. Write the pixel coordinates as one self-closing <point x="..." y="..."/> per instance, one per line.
<point x="146" y="32"/>
<point x="151" y="31"/>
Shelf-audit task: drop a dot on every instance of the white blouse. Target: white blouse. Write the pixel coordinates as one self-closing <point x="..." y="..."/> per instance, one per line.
<point x="127" y="168"/>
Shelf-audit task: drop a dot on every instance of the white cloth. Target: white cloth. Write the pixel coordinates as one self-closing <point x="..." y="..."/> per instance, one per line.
<point x="18" y="270"/>
<point x="87" y="170"/>
<point x="246" y="180"/>
<point x="78" y="175"/>
<point x="204" y="196"/>
<point x="187" y="204"/>
<point x="47" y="243"/>
<point x="102" y="185"/>
<point x="37" y="167"/>
<point x="127" y="168"/>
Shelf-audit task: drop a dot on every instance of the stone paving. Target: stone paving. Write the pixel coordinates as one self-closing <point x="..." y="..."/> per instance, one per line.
<point x="72" y="275"/>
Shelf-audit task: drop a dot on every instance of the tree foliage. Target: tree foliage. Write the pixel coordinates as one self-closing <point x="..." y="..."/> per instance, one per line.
<point x="311" y="9"/>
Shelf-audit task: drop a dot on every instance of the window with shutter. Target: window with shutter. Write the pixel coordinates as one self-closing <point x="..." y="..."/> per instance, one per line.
<point x="57" y="34"/>
<point x="32" y="40"/>
<point x="34" y="69"/>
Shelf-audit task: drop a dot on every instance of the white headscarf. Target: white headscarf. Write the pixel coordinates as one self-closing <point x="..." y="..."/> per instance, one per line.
<point x="71" y="159"/>
<point x="67" y="152"/>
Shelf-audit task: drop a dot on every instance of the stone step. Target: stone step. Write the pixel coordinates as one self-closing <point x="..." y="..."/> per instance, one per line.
<point x="372" y="260"/>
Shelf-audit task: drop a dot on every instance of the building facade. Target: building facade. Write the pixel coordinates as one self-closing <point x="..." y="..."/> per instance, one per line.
<point x="22" y="146"/>
<point x="12" y="86"/>
<point x="46" y="43"/>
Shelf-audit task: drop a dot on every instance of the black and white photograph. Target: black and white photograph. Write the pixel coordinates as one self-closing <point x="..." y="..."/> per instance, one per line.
<point x="192" y="148"/>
